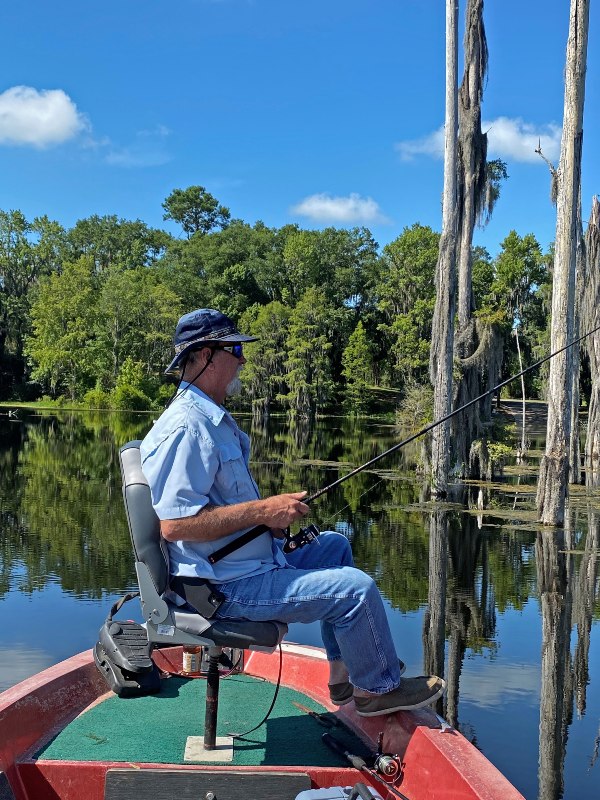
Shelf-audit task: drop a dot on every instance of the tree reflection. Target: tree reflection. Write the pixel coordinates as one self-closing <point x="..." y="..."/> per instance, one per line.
<point x="554" y="569"/>
<point x="62" y="510"/>
<point x="583" y="608"/>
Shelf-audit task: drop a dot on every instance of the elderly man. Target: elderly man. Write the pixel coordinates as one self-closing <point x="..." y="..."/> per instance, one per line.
<point x="195" y="459"/>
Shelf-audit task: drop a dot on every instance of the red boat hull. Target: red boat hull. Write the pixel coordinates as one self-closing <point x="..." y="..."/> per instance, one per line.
<point x="437" y="765"/>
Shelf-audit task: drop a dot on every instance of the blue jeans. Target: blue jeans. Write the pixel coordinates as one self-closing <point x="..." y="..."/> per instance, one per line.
<point x="321" y="584"/>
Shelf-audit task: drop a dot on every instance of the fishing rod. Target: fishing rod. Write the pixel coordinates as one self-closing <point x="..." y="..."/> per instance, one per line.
<point x="308" y="534"/>
<point x="437" y="422"/>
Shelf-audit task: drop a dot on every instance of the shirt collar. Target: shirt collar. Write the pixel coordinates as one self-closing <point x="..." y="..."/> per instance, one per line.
<point x="212" y="410"/>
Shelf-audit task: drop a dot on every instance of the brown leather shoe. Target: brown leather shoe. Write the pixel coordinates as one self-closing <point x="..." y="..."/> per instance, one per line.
<point x="412" y="693"/>
<point x="341" y="693"/>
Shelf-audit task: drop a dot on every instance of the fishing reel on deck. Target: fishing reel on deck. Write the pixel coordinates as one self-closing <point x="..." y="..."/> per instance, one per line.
<point x="303" y="537"/>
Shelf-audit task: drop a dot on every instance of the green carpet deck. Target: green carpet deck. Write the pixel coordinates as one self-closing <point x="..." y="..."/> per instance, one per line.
<point x="155" y="728"/>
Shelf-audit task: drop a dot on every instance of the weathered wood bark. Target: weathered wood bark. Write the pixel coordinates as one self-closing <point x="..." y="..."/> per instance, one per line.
<point x="472" y="153"/>
<point x="521" y="453"/>
<point x="591" y="319"/>
<point x="554" y="468"/>
<point x="442" y="336"/>
<point x="474" y="340"/>
<point x="580" y="273"/>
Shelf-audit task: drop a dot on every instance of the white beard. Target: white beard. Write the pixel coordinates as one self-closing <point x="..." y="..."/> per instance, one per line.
<point x="234" y="387"/>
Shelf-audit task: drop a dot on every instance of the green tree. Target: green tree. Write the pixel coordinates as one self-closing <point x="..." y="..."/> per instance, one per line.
<point x="111" y="241"/>
<point x="131" y="389"/>
<point x="308" y="365"/>
<point x="358" y="371"/>
<point x="519" y="270"/>
<point x="405" y="293"/>
<point x="61" y="346"/>
<point x="28" y="251"/>
<point x="340" y="261"/>
<point x="232" y="261"/>
<point x="264" y="372"/>
<point x="517" y="294"/>
<point x="136" y="317"/>
<point x="196" y="210"/>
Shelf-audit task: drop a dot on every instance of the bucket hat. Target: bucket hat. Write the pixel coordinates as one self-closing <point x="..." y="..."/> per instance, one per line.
<point x="203" y="326"/>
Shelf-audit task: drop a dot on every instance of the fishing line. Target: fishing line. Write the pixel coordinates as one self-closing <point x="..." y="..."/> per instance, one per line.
<point x="437" y="422"/>
<point x="254" y="533"/>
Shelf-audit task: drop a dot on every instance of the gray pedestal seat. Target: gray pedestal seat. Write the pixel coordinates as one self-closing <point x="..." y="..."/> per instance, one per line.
<point x="166" y="623"/>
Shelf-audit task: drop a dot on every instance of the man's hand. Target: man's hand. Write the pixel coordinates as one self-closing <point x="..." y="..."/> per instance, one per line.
<point x="281" y="510"/>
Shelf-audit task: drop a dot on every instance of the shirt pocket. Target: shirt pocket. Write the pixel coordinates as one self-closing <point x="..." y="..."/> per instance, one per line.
<point x="232" y="475"/>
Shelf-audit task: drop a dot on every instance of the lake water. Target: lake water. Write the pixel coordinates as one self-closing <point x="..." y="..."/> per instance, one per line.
<point x="511" y="609"/>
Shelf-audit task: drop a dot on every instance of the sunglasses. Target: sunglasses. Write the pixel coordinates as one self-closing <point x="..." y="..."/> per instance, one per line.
<point x="236" y="350"/>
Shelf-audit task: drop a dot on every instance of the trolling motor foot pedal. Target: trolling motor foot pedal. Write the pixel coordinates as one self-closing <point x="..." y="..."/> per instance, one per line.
<point x="122" y="656"/>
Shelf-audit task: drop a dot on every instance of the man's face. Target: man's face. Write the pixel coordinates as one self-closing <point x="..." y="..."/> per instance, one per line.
<point x="227" y="370"/>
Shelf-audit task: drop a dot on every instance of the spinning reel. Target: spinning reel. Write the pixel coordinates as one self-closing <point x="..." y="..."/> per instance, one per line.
<point x="303" y="537"/>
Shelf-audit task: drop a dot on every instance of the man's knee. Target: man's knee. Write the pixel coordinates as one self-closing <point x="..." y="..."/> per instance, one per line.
<point x="337" y="548"/>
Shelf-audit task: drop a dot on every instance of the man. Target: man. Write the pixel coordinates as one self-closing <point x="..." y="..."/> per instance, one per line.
<point x="195" y="459"/>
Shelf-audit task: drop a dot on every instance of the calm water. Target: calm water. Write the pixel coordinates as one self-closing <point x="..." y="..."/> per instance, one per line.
<point x="511" y="609"/>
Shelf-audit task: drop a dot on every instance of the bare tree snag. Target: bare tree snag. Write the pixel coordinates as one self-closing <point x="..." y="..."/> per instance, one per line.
<point x="442" y="338"/>
<point x="554" y="468"/>
<point x="590" y="319"/>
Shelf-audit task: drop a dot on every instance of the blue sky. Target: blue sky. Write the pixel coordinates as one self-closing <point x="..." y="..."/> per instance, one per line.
<point x="319" y="113"/>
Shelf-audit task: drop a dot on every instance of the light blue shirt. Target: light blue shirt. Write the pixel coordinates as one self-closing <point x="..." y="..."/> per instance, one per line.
<point x="194" y="455"/>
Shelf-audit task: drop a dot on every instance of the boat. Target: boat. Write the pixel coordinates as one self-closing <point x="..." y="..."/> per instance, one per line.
<point x="135" y="719"/>
<point x="65" y="736"/>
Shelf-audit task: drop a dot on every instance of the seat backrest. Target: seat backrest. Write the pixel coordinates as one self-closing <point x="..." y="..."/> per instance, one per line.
<point x="144" y="526"/>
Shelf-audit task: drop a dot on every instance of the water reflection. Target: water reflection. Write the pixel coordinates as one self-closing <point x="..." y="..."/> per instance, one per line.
<point x="459" y="580"/>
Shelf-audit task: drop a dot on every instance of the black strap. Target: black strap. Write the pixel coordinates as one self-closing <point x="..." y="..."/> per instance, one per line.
<point x="199" y="593"/>
<point x="249" y="536"/>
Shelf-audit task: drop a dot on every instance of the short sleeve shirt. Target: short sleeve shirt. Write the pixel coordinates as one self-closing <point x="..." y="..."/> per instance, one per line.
<point x="195" y="454"/>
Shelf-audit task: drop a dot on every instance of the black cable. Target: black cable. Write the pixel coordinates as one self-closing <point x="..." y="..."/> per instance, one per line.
<point x="271" y="707"/>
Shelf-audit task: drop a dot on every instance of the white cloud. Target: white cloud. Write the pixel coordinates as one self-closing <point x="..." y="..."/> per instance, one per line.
<point x="147" y="150"/>
<point x="509" y="139"/>
<point x="497" y="684"/>
<point x="352" y="209"/>
<point x="517" y="140"/>
<point x="430" y="145"/>
<point x="38" y="118"/>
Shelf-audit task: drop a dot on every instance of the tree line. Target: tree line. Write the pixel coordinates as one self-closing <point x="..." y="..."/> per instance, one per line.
<point x="87" y="314"/>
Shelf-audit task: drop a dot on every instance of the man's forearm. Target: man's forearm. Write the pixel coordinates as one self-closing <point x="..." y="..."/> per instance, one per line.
<point x="214" y="522"/>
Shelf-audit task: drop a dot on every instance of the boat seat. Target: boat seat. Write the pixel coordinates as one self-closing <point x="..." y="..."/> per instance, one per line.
<point x="166" y="623"/>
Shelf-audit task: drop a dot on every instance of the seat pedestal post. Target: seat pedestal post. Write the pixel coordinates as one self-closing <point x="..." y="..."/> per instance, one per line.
<point x="212" y="698"/>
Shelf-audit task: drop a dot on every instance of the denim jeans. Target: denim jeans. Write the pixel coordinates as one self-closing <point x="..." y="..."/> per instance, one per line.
<point x="321" y="584"/>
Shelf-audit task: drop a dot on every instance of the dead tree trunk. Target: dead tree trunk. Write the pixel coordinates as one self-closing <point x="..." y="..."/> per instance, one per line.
<point x="580" y="272"/>
<point x="590" y="319"/>
<point x="472" y="153"/>
<point x="442" y="337"/>
<point x="477" y="191"/>
<point x="554" y="468"/>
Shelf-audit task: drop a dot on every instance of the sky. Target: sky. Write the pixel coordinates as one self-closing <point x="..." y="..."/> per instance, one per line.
<point x="321" y="112"/>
